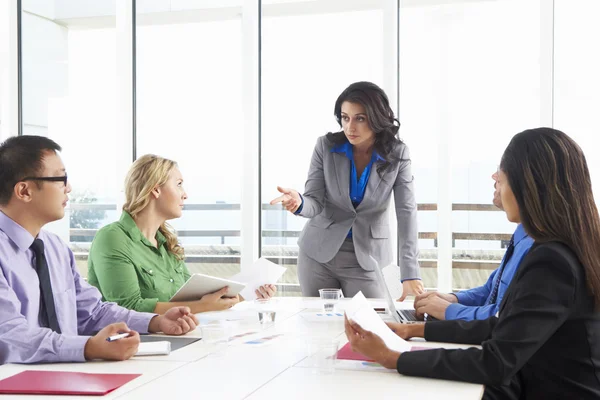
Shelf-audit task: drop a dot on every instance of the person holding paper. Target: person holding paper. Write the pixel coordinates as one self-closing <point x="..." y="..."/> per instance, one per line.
<point x="137" y="262"/>
<point x="352" y="176"/>
<point x="48" y="313"/>
<point x="545" y="341"/>
<point x="481" y="302"/>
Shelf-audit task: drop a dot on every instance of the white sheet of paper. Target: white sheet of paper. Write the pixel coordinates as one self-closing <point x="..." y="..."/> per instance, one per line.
<point x="154" y="349"/>
<point x="360" y="311"/>
<point x="260" y="273"/>
<point x="391" y="275"/>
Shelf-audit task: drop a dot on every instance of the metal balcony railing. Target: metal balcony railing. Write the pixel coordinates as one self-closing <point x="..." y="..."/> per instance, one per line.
<point x="280" y="233"/>
<point x="292" y="234"/>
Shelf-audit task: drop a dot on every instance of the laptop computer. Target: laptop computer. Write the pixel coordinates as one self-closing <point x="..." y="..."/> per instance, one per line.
<point x="402" y="316"/>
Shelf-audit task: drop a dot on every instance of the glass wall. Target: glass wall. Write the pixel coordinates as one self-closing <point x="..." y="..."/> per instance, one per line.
<point x="303" y="72"/>
<point x="69" y="93"/>
<point x="577" y="78"/>
<point x="4" y="71"/>
<point x="470" y="74"/>
<point x="189" y="109"/>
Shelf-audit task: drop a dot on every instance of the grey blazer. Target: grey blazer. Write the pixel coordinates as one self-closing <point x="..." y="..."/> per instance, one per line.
<point x="327" y="203"/>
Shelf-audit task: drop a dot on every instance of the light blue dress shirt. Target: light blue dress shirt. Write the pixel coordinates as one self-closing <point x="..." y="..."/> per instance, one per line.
<point x="473" y="304"/>
<point x="79" y="308"/>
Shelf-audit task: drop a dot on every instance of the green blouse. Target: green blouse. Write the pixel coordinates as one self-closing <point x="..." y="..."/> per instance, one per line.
<point x="129" y="270"/>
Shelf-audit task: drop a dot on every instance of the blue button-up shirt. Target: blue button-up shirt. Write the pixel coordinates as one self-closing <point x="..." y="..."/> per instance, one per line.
<point x="79" y="308"/>
<point x="473" y="304"/>
<point x="358" y="185"/>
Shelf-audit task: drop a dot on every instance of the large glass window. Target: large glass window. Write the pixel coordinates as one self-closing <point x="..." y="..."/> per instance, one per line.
<point x="4" y="72"/>
<point x="69" y="92"/>
<point x="308" y="59"/>
<point x="189" y="109"/>
<point x="470" y="71"/>
<point x="469" y="74"/>
<point x="577" y="78"/>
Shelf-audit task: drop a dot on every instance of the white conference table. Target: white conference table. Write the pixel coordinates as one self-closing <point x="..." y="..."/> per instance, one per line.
<point x="275" y="369"/>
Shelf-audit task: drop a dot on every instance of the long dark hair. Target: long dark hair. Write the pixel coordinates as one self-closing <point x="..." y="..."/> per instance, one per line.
<point x="380" y="118"/>
<point x="549" y="176"/>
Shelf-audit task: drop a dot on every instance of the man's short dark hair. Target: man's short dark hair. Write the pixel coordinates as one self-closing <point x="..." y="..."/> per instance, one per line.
<point x="21" y="156"/>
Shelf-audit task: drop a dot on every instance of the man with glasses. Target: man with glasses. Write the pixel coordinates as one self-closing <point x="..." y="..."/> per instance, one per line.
<point x="481" y="302"/>
<point x="48" y="313"/>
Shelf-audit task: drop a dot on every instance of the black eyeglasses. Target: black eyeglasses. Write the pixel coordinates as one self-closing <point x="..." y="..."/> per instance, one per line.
<point x="62" y="179"/>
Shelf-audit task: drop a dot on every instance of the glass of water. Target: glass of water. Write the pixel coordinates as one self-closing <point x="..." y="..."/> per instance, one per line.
<point x="266" y="311"/>
<point x="322" y="355"/>
<point x="217" y="336"/>
<point x="330" y="298"/>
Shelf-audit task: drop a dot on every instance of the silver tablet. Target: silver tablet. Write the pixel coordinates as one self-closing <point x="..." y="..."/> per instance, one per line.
<point x="199" y="284"/>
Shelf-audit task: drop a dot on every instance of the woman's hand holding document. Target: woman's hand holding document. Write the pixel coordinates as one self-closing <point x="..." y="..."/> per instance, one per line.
<point x="262" y="273"/>
<point x="369" y="335"/>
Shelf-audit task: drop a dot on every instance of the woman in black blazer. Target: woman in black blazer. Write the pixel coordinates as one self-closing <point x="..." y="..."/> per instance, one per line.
<point x="545" y="341"/>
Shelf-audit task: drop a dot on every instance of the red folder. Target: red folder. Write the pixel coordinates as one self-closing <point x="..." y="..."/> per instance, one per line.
<point x="65" y="383"/>
<point x="346" y="353"/>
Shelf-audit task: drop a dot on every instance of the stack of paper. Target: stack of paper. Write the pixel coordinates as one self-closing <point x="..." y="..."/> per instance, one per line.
<point x="360" y="311"/>
<point x="262" y="272"/>
<point x="154" y="349"/>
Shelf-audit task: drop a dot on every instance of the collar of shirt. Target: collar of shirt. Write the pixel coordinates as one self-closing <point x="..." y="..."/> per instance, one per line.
<point x="519" y="234"/>
<point x="134" y="232"/>
<point x="347" y="149"/>
<point x="17" y="234"/>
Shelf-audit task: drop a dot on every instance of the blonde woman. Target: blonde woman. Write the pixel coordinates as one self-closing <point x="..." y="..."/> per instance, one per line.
<point x="137" y="262"/>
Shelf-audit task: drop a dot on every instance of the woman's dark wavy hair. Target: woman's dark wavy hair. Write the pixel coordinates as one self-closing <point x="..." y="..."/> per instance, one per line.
<point x="549" y="176"/>
<point x="380" y="118"/>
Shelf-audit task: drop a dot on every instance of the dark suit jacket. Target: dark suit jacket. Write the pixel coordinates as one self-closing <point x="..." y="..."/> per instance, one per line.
<point x="547" y="334"/>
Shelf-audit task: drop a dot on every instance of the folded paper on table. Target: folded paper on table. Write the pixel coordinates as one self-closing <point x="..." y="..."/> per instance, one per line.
<point x="262" y="272"/>
<point x="360" y="311"/>
<point x="63" y="383"/>
<point x="346" y="353"/>
<point x="323" y="317"/>
<point x="154" y="349"/>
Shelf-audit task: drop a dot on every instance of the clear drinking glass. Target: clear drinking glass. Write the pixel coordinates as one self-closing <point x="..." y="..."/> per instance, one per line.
<point x="217" y="336"/>
<point x="330" y="298"/>
<point x="266" y="311"/>
<point x="322" y="355"/>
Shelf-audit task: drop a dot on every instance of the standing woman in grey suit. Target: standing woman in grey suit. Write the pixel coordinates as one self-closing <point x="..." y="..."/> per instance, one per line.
<point x="350" y="182"/>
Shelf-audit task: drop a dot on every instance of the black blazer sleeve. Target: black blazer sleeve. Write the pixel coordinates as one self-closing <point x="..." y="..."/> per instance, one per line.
<point x="457" y="331"/>
<point x="542" y="297"/>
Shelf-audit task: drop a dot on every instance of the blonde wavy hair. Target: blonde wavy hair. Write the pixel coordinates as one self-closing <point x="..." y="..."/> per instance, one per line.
<point x="146" y="173"/>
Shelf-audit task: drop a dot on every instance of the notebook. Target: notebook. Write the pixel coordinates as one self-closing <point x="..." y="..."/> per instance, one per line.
<point x="161" y="348"/>
<point x="63" y="383"/>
